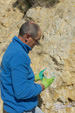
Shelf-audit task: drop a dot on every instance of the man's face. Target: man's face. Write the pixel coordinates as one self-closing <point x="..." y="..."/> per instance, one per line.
<point x="34" y="41"/>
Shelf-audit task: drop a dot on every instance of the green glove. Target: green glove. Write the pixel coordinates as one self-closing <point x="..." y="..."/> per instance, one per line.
<point x="40" y="75"/>
<point x="47" y="82"/>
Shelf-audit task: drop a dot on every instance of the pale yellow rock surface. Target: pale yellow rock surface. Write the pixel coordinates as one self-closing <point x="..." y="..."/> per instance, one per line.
<point x="11" y="20"/>
<point x="56" y="52"/>
<point x="1" y="106"/>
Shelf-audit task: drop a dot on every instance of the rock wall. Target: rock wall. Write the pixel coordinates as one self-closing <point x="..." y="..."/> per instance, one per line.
<point x="11" y="19"/>
<point x="56" y="52"/>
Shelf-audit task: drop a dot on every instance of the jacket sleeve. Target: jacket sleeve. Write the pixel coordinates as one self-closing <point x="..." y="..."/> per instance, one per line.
<point x="22" y="88"/>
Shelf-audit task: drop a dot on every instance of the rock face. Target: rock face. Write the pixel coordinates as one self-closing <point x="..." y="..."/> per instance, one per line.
<point x="56" y="51"/>
<point x="11" y="19"/>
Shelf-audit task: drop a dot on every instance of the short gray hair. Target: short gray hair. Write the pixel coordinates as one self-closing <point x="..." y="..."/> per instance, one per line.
<point x="29" y="28"/>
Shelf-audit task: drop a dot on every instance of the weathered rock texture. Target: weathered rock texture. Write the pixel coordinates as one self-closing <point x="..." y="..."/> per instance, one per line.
<point x="56" y="52"/>
<point x="11" y="19"/>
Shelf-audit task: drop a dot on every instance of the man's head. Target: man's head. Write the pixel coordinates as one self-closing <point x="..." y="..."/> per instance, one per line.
<point x="30" y="33"/>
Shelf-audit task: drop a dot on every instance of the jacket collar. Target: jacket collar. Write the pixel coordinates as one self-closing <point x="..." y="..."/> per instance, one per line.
<point x="25" y="46"/>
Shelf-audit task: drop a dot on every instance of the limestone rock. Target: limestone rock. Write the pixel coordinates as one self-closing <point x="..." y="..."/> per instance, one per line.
<point x="11" y="20"/>
<point x="56" y="53"/>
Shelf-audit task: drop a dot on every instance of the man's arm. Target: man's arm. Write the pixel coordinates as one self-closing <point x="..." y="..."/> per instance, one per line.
<point x="22" y="88"/>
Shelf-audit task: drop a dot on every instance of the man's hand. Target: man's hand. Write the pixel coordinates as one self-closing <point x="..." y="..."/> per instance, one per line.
<point x="43" y="87"/>
<point x="47" y="82"/>
<point x="40" y="75"/>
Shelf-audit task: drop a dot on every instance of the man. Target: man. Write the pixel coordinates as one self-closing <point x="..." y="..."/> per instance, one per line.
<point x="18" y="89"/>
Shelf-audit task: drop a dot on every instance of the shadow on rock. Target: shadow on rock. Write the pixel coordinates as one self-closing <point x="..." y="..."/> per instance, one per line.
<point x="24" y="5"/>
<point x="40" y="101"/>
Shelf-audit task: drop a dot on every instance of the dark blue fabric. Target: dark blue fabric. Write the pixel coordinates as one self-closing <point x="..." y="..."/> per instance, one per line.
<point x="18" y="90"/>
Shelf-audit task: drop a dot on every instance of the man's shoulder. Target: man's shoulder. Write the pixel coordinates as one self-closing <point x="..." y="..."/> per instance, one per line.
<point x="15" y="50"/>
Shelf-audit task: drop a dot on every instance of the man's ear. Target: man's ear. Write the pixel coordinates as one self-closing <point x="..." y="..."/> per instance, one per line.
<point x="26" y="37"/>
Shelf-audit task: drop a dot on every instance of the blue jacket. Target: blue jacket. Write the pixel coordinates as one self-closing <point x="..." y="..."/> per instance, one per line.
<point x="18" y="90"/>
